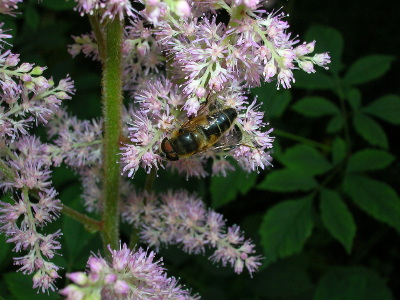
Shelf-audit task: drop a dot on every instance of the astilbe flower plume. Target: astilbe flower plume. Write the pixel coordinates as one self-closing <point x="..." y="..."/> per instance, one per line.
<point x="129" y="274"/>
<point x="210" y="60"/>
<point x="28" y="99"/>
<point x="181" y="218"/>
<point x="23" y="217"/>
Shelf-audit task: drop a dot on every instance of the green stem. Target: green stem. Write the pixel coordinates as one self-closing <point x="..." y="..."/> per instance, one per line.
<point x="300" y="139"/>
<point x="98" y="33"/>
<point x="90" y="224"/>
<point x="112" y="104"/>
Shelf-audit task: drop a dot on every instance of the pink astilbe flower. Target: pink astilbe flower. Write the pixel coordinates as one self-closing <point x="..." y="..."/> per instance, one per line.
<point x="7" y="6"/>
<point x="142" y="57"/>
<point x="77" y="143"/>
<point x="108" y="8"/>
<point x="21" y="219"/>
<point x="86" y="44"/>
<point x="181" y="218"/>
<point x="27" y="98"/>
<point x="128" y="275"/>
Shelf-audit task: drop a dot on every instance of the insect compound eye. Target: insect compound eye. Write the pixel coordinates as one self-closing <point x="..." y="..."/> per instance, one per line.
<point x="169" y="152"/>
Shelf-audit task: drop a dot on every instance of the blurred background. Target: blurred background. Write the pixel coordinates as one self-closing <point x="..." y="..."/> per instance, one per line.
<point x="326" y="217"/>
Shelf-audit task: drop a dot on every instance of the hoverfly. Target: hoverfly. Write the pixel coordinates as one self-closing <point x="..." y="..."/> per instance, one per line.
<point x="202" y="133"/>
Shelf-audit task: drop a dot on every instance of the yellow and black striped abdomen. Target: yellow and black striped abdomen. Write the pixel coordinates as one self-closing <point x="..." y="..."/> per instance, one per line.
<point x="199" y="134"/>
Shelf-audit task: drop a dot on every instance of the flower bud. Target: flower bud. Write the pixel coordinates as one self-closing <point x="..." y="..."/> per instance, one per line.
<point x="12" y="60"/>
<point x="25" y="67"/>
<point x="182" y="9"/>
<point x="78" y="277"/>
<point x="307" y="66"/>
<point x="38" y="70"/>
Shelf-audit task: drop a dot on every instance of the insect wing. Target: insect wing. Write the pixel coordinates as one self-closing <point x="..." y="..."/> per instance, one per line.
<point x="230" y="140"/>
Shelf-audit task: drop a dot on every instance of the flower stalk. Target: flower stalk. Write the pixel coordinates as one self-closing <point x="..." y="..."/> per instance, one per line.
<point x="112" y="102"/>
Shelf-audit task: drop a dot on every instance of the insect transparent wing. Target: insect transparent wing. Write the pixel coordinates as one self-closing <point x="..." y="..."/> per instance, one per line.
<point x="230" y="140"/>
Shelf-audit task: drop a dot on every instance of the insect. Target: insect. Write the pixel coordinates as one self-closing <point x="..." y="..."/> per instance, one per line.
<point x="202" y="133"/>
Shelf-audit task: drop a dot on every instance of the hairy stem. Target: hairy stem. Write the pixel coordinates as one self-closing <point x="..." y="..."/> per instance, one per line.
<point x="112" y="102"/>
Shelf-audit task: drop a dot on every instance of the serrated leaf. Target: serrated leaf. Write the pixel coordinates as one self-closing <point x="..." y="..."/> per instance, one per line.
<point x="286" y="227"/>
<point x="288" y="180"/>
<point x="350" y="283"/>
<point x="306" y="159"/>
<point x="328" y="39"/>
<point x="370" y="130"/>
<point x="338" y="150"/>
<point x="225" y="189"/>
<point x="375" y="197"/>
<point x="354" y="98"/>
<point x="368" y="68"/>
<point x="20" y="287"/>
<point x="314" y="106"/>
<point x="314" y="81"/>
<point x="335" y="124"/>
<point x="386" y="108"/>
<point x="337" y="218"/>
<point x="369" y="160"/>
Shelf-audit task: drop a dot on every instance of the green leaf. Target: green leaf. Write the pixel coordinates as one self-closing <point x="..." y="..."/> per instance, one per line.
<point x="368" y="160"/>
<point x="314" y="106"/>
<point x="335" y="124"/>
<point x="306" y="159"/>
<point x="386" y="108"/>
<point x="288" y="180"/>
<point x="337" y="218"/>
<point x="328" y="39"/>
<point x="370" y="130"/>
<point x="350" y="283"/>
<point x="354" y="98"/>
<point x="338" y="150"/>
<point x="20" y="287"/>
<point x="368" y="68"/>
<point x="375" y="197"/>
<point x="225" y="189"/>
<point x="314" y="81"/>
<point x="286" y="227"/>
<point x="274" y="102"/>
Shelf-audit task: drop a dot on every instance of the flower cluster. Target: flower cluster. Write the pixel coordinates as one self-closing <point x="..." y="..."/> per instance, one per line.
<point x="129" y="275"/>
<point x="26" y="99"/>
<point x="77" y="143"/>
<point x="109" y="9"/>
<point x="206" y="60"/>
<point x="27" y="169"/>
<point x="160" y="114"/>
<point x="181" y="218"/>
<point x="85" y="44"/>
